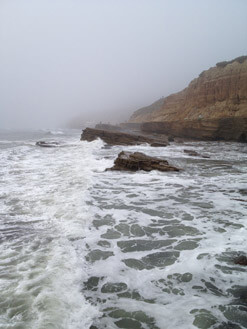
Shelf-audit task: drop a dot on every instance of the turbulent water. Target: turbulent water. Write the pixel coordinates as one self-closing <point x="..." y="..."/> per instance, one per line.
<point x="83" y="248"/>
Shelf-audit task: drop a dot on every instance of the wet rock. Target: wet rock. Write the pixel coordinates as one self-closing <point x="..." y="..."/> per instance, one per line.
<point x="178" y="230"/>
<point x="143" y="245"/>
<point x="140" y="161"/>
<point x="114" y="287"/>
<point x="240" y="200"/>
<point x="243" y="191"/>
<point x="215" y="290"/>
<point x="158" y="144"/>
<point x="117" y="137"/>
<point x="128" y="324"/>
<point x="104" y="221"/>
<point x="228" y="325"/>
<point x="204" y="320"/>
<point x="235" y="314"/>
<point x="191" y="152"/>
<point x="98" y="254"/>
<point x="240" y="295"/>
<point x="92" y="283"/>
<point x="123" y="228"/>
<point x="187" y="245"/>
<point x="137" y="230"/>
<point x="161" y="259"/>
<point x="133" y="319"/>
<point x="111" y="234"/>
<point x="241" y="260"/>
<point x="47" y="144"/>
<point x="134" y="263"/>
<point x="104" y="243"/>
<point x="170" y="139"/>
<point x="186" y="277"/>
<point x="158" y="259"/>
<point x="195" y="154"/>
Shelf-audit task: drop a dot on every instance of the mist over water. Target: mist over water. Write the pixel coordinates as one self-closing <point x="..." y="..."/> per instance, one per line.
<point x="101" y="60"/>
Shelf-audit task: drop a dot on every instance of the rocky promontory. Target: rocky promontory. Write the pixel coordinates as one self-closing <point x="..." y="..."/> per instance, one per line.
<point x="212" y="107"/>
<point x="119" y="138"/>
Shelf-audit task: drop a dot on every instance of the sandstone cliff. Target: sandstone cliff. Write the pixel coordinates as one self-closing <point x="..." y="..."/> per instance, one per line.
<point x="217" y="97"/>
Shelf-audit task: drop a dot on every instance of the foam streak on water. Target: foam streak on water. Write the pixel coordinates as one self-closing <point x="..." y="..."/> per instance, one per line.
<point x="85" y="248"/>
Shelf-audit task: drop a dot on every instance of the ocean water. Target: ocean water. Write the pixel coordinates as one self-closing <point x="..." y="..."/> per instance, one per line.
<point x="84" y="248"/>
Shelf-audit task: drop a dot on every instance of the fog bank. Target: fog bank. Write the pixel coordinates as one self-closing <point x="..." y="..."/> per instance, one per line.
<point x="102" y="59"/>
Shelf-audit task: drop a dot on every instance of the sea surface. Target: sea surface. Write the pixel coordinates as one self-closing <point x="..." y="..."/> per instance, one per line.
<point x="84" y="248"/>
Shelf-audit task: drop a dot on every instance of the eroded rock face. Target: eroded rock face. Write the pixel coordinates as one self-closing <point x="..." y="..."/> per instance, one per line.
<point x="211" y="107"/>
<point x="229" y="129"/>
<point x="140" y="161"/>
<point x="118" y="138"/>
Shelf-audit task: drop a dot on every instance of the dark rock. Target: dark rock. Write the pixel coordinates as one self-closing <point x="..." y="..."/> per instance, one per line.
<point x="158" y="259"/>
<point x="92" y="283"/>
<point x="117" y="138"/>
<point x="98" y="254"/>
<point x="139" y="161"/>
<point x="109" y="127"/>
<point x="243" y="191"/>
<point x="143" y="245"/>
<point x="241" y="260"/>
<point x="195" y="154"/>
<point x="47" y="144"/>
<point x="158" y="144"/>
<point x="111" y="234"/>
<point x="128" y="324"/>
<point x="240" y="295"/>
<point x="114" y="287"/>
<point x="191" y="153"/>
<point x="170" y="139"/>
<point x="228" y="325"/>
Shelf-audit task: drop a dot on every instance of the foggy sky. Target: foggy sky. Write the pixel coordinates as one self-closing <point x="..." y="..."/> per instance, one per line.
<point x="103" y="59"/>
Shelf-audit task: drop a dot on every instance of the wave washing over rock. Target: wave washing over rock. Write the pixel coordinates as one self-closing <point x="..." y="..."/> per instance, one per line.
<point x="85" y="248"/>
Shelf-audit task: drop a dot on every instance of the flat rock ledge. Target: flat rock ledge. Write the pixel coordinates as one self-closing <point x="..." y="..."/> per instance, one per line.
<point x="139" y="161"/>
<point x="119" y="138"/>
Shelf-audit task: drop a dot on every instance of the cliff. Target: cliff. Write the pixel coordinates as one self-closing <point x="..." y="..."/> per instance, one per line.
<point x="213" y="106"/>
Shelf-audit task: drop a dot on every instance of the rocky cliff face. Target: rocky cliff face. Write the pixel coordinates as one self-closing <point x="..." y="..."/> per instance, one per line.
<point x="218" y="93"/>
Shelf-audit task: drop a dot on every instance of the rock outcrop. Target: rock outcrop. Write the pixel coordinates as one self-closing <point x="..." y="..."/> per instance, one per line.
<point x="213" y="106"/>
<point x="140" y="161"/>
<point x="109" y="127"/>
<point x="47" y="144"/>
<point x="241" y="260"/>
<point x="195" y="154"/>
<point x="119" y="138"/>
<point x="218" y="129"/>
